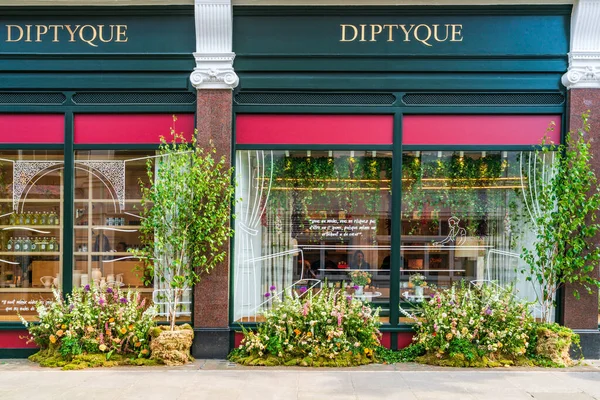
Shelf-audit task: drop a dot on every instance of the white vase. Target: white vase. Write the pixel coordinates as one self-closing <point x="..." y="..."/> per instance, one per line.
<point x="358" y="291"/>
<point x="419" y="291"/>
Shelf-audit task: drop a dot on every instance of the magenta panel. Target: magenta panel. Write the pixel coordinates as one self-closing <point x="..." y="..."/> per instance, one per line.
<point x="16" y="339"/>
<point x="32" y="128"/>
<point x="314" y="129"/>
<point x="479" y="129"/>
<point x="130" y="128"/>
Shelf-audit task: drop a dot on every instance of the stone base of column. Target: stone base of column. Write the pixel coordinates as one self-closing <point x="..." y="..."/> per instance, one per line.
<point x="590" y="344"/>
<point x="211" y="343"/>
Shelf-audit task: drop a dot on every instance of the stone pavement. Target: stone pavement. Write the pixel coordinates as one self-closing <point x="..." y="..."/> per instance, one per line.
<point x="221" y="380"/>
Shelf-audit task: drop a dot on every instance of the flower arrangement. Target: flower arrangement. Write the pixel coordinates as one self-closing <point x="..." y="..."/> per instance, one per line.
<point x="471" y="325"/>
<point x="325" y="329"/>
<point x="360" y="278"/>
<point x="418" y="280"/>
<point x="93" y="320"/>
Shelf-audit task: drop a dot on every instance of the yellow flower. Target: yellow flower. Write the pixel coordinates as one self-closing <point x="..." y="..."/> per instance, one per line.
<point x="130" y="327"/>
<point x="499" y="345"/>
<point x="138" y="344"/>
<point x="90" y="329"/>
<point x="52" y="339"/>
<point x="60" y="332"/>
<point x="144" y="352"/>
<point x="297" y="331"/>
<point x="63" y="326"/>
<point x="309" y="334"/>
<point x="108" y="332"/>
<point x="123" y="330"/>
<point x="117" y="340"/>
<point x="111" y="320"/>
<point x="102" y="347"/>
<point x="448" y="336"/>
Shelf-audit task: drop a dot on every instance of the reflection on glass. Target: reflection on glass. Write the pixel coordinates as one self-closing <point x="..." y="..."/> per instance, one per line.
<point x="107" y="206"/>
<point x="30" y="230"/>
<point x="306" y="219"/>
<point x="463" y="219"/>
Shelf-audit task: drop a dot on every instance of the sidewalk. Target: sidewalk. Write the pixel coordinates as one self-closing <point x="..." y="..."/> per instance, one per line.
<point x="221" y="380"/>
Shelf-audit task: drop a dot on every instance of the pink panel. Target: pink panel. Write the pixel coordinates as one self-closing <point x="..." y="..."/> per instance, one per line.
<point x="15" y="340"/>
<point x="404" y="339"/>
<point x="28" y="128"/>
<point x="314" y="129"/>
<point x="130" y="128"/>
<point x="478" y="129"/>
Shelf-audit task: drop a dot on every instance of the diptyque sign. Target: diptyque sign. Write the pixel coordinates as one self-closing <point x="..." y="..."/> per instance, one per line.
<point x="426" y="34"/>
<point x="92" y="35"/>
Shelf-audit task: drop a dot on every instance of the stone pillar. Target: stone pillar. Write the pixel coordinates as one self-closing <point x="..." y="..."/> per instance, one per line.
<point x="583" y="82"/>
<point x="214" y="79"/>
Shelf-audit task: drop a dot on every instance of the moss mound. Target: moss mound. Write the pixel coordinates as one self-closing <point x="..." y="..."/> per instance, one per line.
<point x="172" y="347"/>
<point x="460" y="361"/>
<point x="342" y="360"/>
<point x="553" y="345"/>
<point x="52" y="359"/>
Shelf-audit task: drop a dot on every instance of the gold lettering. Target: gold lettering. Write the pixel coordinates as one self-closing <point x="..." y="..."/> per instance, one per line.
<point x="121" y="33"/>
<point x="362" y="33"/>
<point x="421" y="39"/>
<point x="344" y="26"/>
<point x="435" y="33"/>
<point x="41" y="30"/>
<point x="72" y="32"/>
<point x="406" y="32"/>
<point x="90" y="40"/>
<point x="28" y="35"/>
<point x="56" y="28"/>
<point x="456" y="33"/>
<point x="9" y="37"/>
<point x="375" y="30"/>
<point x="100" y="35"/>
<point x="390" y="32"/>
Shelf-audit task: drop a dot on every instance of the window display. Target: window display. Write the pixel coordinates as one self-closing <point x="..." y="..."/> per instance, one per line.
<point x="308" y="218"/>
<point x="31" y="231"/>
<point x="107" y="203"/>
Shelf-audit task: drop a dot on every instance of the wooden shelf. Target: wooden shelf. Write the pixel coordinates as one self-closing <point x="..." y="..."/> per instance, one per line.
<point x="32" y="200"/>
<point x="30" y="253"/>
<point x="109" y="201"/>
<point x="102" y="253"/>
<point x="17" y="227"/>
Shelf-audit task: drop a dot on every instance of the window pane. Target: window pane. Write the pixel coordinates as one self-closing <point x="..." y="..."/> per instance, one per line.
<point x="464" y="218"/>
<point x="106" y="221"/>
<point x="306" y="219"/>
<point x="30" y="230"/>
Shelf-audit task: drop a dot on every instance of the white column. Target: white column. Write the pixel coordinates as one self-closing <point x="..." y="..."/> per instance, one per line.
<point x="584" y="57"/>
<point x="214" y="56"/>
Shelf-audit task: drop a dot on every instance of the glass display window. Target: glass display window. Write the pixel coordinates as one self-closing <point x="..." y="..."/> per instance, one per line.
<point x="31" y="230"/>
<point x="309" y="219"/>
<point x="107" y="205"/>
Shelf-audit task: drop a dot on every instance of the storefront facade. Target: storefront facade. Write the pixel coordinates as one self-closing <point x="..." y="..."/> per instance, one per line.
<point x="391" y="139"/>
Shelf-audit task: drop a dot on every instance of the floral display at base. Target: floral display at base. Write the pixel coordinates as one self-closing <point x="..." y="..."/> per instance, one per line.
<point x="552" y="344"/>
<point x="93" y="327"/>
<point x="328" y="329"/>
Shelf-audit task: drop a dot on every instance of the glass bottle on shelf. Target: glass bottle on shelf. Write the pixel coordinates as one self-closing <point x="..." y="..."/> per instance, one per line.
<point x="27" y="219"/>
<point x="50" y="245"/>
<point x="9" y="245"/>
<point x="26" y="244"/>
<point x="21" y="219"/>
<point x="34" y="218"/>
<point x="43" y="244"/>
<point x="13" y="219"/>
<point x="34" y="244"/>
<point x="43" y="218"/>
<point x="18" y="244"/>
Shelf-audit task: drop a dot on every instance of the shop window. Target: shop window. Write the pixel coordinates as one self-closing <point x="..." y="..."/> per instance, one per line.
<point x="465" y="217"/>
<point x="31" y="231"/>
<point x="107" y="204"/>
<point x="306" y="219"/>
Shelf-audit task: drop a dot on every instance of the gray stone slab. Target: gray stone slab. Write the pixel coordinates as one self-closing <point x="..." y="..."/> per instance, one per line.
<point x="561" y="396"/>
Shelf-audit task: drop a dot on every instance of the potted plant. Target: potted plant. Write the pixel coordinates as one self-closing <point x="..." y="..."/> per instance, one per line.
<point x="359" y="280"/>
<point x="184" y="230"/>
<point x="418" y="281"/>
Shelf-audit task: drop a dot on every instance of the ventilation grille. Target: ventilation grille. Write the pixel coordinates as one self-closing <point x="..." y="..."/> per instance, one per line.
<point x="250" y="98"/>
<point x="134" y="98"/>
<point x="482" y="99"/>
<point x="32" y="98"/>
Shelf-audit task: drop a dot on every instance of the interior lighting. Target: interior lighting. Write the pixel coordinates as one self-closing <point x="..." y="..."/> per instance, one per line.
<point x="352" y="153"/>
<point x="287" y="153"/>
<point x="439" y="154"/>
<point x="330" y="153"/>
<point x="417" y="153"/>
<point x="504" y="154"/>
<point x="483" y="154"/>
<point x="308" y="153"/>
<point x="461" y="154"/>
<point x="374" y="153"/>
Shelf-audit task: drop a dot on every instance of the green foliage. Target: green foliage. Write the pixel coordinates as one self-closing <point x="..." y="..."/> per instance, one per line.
<point x="407" y="354"/>
<point x="326" y="329"/>
<point x="565" y="249"/>
<point x="186" y="214"/>
<point x="470" y="323"/>
<point x="550" y="345"/>
<point x="93" y="320"/>
<point x="52" y="359"/>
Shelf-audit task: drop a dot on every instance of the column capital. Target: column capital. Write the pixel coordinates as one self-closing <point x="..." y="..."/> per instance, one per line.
<point x="584" y="55"/>
<point x="214" y="56"/>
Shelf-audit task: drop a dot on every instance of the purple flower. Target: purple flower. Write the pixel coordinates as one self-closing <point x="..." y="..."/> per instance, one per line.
<point x="349" y="298"/>
<point x="109" y="290"/>
<point x="356" y="287"/>
<point x="267" y="294"/>
<point x="87" y="288"/>
<point x="488" y="311"/>
<point x="272" y="288"/>
<point x="123" y="300"/>
<point x="71" y="308"/>
<point x="303" y="290"/>
<point x="101" y="301"/>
